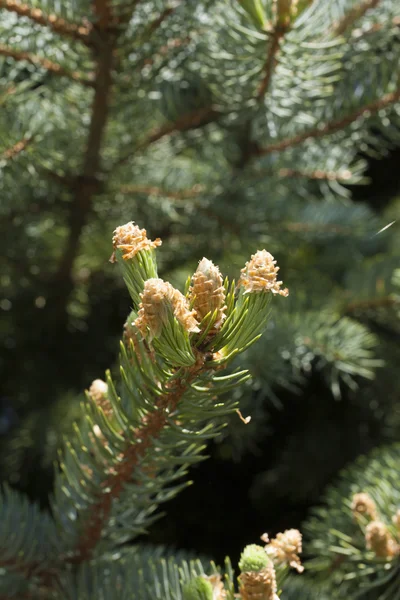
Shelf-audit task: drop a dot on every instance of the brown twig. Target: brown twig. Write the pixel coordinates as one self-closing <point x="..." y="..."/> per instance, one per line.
<point x="197" y="118"/>
<point x="55" y="23"/>
<point x="193" y="192"/>
<point x="375" y="303"/>
<point x="343" y="175"/>
<point x="357" y="12"/>
<point x="49" y="65"/>
<point x="273" y="49"/>
<point x="332" y="127"/>
<point x="113" y="485"/>
<point x="19" y="147"/>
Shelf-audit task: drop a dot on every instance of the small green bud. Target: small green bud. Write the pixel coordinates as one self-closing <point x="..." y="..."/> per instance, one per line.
<point x="253" y="558"/>
<point x="198" y="588"/>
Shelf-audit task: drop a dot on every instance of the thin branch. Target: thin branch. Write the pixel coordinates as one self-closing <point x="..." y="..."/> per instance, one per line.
<point x="19" y="147"/>
<point x="193" y="192"/>
<point x="357" y="12"/>
<point x="55" y="23"/>
<point x="375" y="303"/>
<point x="332" y="127"/>
<point x="44" y="63"/>
<point x="113" y="485"/>
<point x="197" y="118"/>
<point x="344" y="175"/>
<point x="270" y="62"/>
<point x="357" y="33"/>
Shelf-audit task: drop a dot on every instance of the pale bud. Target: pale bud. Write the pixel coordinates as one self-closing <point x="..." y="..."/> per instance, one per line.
<point x="208" y="293"/>
<point x="285" y="548"/>
<point x="260" y="274"/>
<point x="159" y="300"/>
<point x="131" y="239"/>
<point x="379" y="540"/>
<point x="363" y="506"/>
<point x="98" y="393"/>
<point x="258" y="585"/>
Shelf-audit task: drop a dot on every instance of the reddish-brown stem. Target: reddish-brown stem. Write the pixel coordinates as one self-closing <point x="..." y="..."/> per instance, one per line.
<point x="343" y="175"/>
<point x="55" y="23"/>
<point x="17" y="148"/>
<point x="44" y="63"/>
<point x="113" y="485"/>
<point x="273" y="49"/>
<point x="332" y="127"/>
<point x="357" y="12"/>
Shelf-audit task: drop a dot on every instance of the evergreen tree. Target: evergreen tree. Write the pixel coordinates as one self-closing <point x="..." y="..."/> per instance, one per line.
<point x="223" y="126"/>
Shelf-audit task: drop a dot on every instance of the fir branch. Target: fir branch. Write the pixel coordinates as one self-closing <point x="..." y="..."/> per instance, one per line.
<point x="17" y="148"/>
<point x="344" y="175"/>
<point x="357" y="12"/>
<point x="151" y="427"/>
<point x="55" y="23"/>
<point x="44" y="63"/>
<point x="331" y="127"/>
<point x="192" y="120"/>
<point x="193" y="192"/>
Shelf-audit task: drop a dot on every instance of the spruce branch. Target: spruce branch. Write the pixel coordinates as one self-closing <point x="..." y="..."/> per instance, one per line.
<point x="17" y="148"/>
<point x="331" y="127"/>
<point x="55" y="23"/>
<point x="354" y="14"/>
<point x="196" y="118"/>
<point x="44" y="63"/>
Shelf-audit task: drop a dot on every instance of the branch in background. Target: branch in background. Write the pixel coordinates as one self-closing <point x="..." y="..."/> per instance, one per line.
<point x="375" y="303"/>
<point x="55" y="23"/>
<point x="357" y="12"/>
<point x="44" y="63"/>
<point x="16" y="149"/>
<point x="113" y="486"/>
<point x="193" y="192"/>
<point x="197" y="118"/>
<point x="357" y="33"/>
<point x="332" y="127"/>
<point x="344" y="175"/>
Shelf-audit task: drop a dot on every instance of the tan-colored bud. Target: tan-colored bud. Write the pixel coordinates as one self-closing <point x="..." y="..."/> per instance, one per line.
<point x="207" y="292"/>
<point x="131" y="239"/>
<point x="396" y="520"/>
<point x="98" y="393"/>
<point x="379" y="540"/>
<point x="285" y="548"/>
<point x="260" y="274"/>
<point x="258" y="585"/>
<point x="219" y="592"/>
<point x="363" y="506"/>
<point x="159" y="298"/>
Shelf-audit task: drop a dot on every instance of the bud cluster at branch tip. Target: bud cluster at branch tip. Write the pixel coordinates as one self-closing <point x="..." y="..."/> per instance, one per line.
<point x="363" y="506"/>
<point x="257" y="579"/>
<point x="130" y="239"/>
<point x="285" y="548"/>
<point x="260" y="274"/>
<point x="98" y="393"/>
<point x="379" y="540"/>
<point x="207" y="293"/>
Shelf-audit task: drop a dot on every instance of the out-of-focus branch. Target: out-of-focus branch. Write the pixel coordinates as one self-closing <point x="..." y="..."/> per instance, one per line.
<point x="357" y="12"/>
<point x="343" y="175"/>
<point x="16" y="149"/>
<point x="193" y="192"/>
<point x="55" y="23"/>
<point x="331" y="127"/>
<point x="44" y="63"/>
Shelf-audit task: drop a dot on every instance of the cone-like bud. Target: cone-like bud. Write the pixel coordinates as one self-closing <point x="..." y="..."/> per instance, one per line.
<point x="396" y="520"/>
<point x="379" y="540"/>
<point x="130" y="239"/>
<point x="258" y="585"/>
<point x="98" y="393"/>
<point x="207" y="293"/>
<point x="164" y="317"/>
<point x="260" y="274"/>
<point x="253" y="558"/>
<point x="285" y="549"/>
<point x="159" y="299"/>
<point x="363" y="506"/>
<point x="135" y="255"/>
<point x="198" y="588"/>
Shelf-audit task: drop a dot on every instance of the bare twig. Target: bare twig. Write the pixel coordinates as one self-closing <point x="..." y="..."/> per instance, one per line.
<point x="17" y="148"/>
<point x="197" y="118"/>
<point x="357" y="12"/>
<point x="273" y="49"/>
<point x="44" y="63"/>
<point x="193" y="192"/>
<point x="332" y="127"/>
<point x="55" y="23"/>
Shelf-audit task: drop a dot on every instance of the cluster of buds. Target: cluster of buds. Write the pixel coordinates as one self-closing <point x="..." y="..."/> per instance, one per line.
<point x="175" y="325"/>
<point x="257" y="579"/>
<point x="285" y="548"/>
<point x="98" y="393"/>
<point x="378" y="538"/>
<point x="204" y="587"/>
